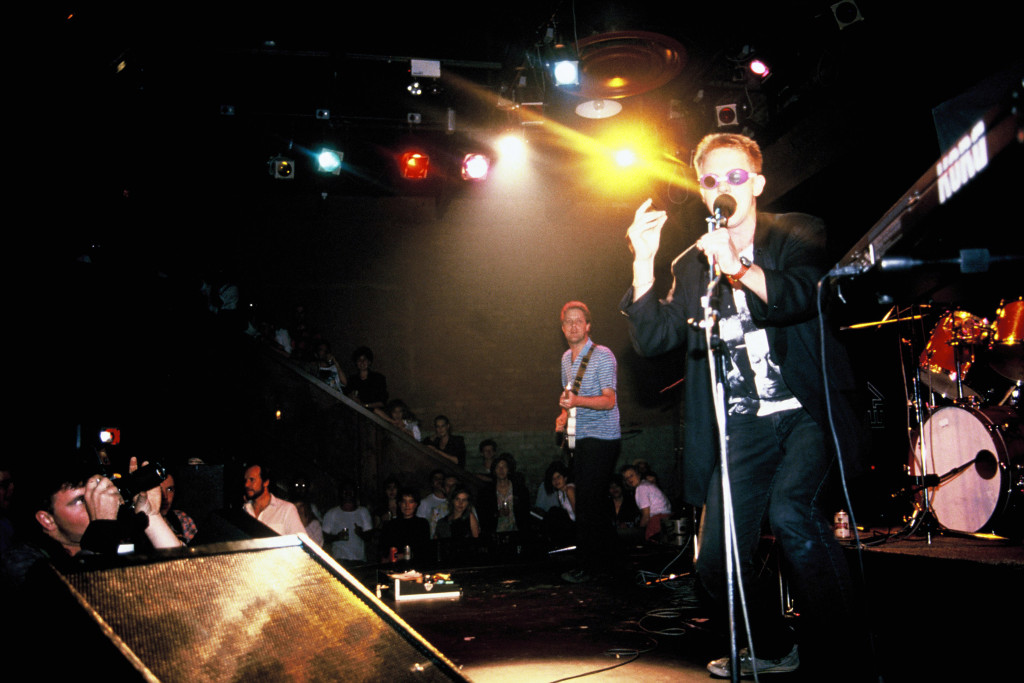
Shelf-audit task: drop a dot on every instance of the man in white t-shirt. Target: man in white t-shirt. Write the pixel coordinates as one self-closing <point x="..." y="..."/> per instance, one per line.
<point x="345" y="527"/>
<point x="434" y="507"/>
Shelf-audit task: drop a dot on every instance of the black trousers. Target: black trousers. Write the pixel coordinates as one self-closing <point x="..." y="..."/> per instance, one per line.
<point x="593" y="465"/>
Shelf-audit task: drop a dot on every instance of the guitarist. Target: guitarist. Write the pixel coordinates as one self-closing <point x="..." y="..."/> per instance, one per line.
<point x="590" y="422"/>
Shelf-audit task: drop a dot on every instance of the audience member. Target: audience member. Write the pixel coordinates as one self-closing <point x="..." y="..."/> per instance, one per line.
<point x="445" y="443"/>
<point x="313" y="527"/>
<point x="366" y="386"/>
<point x="406" y="532"/>
<point x="560" y="518"/>
<point x="451" y="482"/>
<point x="327" y="368"/>
<point x="547" y="497"/>
<point x="70" y="509"/>
<point x="625" y="514"/>
<point x="279" y="515"/>
<point x="300" y="490"/>
<point x="652" y="503"/>
<point x="183" y="525"/>
<point x="458" y="532"/>
<point x="504" y="503"/>
<point x="398" y="414"/>
<point x="282" y="341"/>
<point x="488" y="451"/>
<point x="435" y="505"/>
<point x="388" y="510"/>
<point x="643" y="468"/>
<point x="347" y="527"/>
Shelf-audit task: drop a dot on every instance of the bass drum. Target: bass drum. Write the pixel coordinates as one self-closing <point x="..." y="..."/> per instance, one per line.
<point x="980" y="455"/>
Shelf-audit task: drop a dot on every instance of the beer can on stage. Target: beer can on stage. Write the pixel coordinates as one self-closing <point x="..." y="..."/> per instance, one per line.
<point x="841" y="526"/>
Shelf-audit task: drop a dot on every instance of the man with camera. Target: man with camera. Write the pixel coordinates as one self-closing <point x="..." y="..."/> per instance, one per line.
<point x="70" y="509"/>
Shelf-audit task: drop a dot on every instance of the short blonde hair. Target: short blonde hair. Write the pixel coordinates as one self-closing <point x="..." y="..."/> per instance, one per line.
<point x="575" y="304"/>
<point x="733" y="140"/>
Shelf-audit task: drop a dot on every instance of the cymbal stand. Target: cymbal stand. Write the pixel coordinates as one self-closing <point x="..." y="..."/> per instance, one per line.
<point x="924" y="516"/>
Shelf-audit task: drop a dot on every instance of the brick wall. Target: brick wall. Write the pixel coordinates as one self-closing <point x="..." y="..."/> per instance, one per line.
<point x="461" y="309"/>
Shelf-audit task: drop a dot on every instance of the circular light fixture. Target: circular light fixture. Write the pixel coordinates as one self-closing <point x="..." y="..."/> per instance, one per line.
<point x="598" y="109"/>
<point x="626" y="63"/>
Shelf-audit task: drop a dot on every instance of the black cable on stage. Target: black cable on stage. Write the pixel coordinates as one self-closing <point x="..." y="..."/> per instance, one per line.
<point x="842" y="470"/>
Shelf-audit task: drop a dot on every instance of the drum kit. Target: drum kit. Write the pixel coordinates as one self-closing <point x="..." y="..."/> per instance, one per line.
<point x="968" y="456"/>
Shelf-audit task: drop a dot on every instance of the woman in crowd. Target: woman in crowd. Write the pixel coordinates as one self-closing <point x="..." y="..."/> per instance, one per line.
<point x="625" y="513"/>
<point x="388" y="508"/>
<point x="505" y="502"/>
<point x="560" y="519"/>
<point x="459" y="530"/>
<point x="182" y="524"/>
<point x="407" y="537"/>
<point x="398" y="414"/>
<point x="327" y="368"/>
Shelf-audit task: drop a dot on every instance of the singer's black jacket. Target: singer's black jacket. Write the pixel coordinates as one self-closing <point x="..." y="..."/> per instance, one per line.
<point x="790" y="248"/>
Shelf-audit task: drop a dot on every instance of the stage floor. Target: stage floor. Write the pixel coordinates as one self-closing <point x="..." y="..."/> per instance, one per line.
<point x="947" y="608"/>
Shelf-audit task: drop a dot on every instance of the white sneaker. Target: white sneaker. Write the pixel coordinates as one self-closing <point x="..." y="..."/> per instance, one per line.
<point x="722" y="667"/>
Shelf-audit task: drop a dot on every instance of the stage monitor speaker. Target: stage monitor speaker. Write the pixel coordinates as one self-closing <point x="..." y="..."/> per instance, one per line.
<point x="267" y="609"/>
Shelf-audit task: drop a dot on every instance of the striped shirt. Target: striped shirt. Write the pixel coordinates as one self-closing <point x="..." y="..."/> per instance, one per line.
<point x="601" y="374"/>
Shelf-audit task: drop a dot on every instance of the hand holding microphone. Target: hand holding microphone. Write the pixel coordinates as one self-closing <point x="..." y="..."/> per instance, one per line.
<point x="717" y="244"/>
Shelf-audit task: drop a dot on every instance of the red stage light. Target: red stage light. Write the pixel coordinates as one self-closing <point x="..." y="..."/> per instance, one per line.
<point x="415" y="165"/>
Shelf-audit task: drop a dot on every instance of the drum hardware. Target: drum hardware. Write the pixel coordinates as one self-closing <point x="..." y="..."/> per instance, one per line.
<point x="966" y="471"/>
<point x="888" y="318"/>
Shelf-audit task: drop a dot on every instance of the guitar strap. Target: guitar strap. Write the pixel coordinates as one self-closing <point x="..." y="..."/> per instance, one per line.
<point x="583" y="368"/>
<point x="575" y="388"/>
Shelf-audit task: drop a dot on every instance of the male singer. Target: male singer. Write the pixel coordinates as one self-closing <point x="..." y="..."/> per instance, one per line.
<point x="780" y="452"/>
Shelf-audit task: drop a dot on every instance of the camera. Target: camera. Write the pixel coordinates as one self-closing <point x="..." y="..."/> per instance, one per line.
<point x="142" y="479"/>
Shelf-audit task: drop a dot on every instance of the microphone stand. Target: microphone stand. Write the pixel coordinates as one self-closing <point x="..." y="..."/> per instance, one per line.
<point x="711" y="303"/>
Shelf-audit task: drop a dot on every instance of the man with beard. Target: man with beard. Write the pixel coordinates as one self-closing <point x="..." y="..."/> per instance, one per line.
<point x="279" y="515"/>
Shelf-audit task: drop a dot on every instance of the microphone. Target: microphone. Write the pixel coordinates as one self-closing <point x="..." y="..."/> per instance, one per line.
<point x="724" y="207"/>
<point x="970" y="261"/>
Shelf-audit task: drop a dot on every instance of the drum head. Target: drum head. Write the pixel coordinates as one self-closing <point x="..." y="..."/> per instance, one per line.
<point x="952" y="438"/>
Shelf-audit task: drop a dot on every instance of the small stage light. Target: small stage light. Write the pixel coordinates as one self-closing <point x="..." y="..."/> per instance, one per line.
<point x="598" y="109"/>
<point x="475" y="167"/>
<point x="566" y="72"/>
<point x="415" y="165"/>
<point x="759" y="68"/>
<point x="110" y="436"/>
<point x="511" y="149"/>
<point x="281" y="168"/>
<point x="625" y="158"/>
<point x="329" y="161"/>
<point x="725" y="115"/>
<point x="846" y="13"/>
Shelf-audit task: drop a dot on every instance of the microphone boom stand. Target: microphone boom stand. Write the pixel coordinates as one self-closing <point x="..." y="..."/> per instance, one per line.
<point x="717" y="367"/>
